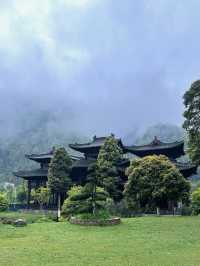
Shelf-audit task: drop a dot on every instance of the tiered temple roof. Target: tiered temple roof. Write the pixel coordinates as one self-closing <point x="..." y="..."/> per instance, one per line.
<point x="35" y="174"/>
<point x="91" y="149"/>
<point x="172" y="150"/>
<point x="40" y="158"/>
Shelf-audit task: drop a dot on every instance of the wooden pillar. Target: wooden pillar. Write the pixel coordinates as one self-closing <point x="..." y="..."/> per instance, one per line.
<point x="29" y="194"/>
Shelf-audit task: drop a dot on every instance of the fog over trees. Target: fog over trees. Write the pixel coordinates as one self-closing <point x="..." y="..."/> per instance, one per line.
<point x="73" y="69"/>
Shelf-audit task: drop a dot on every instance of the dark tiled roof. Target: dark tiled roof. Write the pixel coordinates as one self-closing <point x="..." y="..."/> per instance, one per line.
<point x="78" y="162"/>
<point x="83" y="163"/>
<point x="153" y="146"/>
<point x="185" y="166"/>
<point x="36" y="173"/>
<point x="37" y="157"/>
<point x="95" y="143"/>
<point x="172" y="150"/>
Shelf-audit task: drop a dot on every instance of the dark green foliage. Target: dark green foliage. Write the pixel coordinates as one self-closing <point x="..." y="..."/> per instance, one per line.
<point x="109" y="156"/>
<point x="10" y="193"/>
<point x="59" y="179"/>
<point x="119" y="209"/>
<point x="154" y="182"/>
<point x="80" y="200"/>
<point x="100" y="215"/>
<point x="192" y="120"/>
<point x="21" y="193"/>
<point x="42" y="196"/>
<point x="3" y="202"/>
<point x="196" y="201"/>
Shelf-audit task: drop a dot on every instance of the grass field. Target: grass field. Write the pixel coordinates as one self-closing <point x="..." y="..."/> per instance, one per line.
<point x="137" y="241"/>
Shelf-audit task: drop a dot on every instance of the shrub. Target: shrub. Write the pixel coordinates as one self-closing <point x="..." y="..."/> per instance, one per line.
<point x="21" y="194"/>
<point x="80" y="201"/>
<point x="100" y="215"/>
<point x="69" y="206"/>
<point x="119" y="209"/>
<point x="196" y="201"/>
<point x="3" y="202"/>
<point x="186" y="210"/>
<point x="41" y="196"/>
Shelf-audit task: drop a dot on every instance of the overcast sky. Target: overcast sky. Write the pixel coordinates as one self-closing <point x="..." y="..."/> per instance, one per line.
<point x="97" y="66"/>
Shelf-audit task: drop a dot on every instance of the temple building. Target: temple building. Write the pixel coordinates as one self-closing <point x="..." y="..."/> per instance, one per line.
<point x="172" y="150"/>
<point x="89" y="153"/>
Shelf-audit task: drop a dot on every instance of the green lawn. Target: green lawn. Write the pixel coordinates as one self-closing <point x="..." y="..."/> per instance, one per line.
<point x="137" y="241"/>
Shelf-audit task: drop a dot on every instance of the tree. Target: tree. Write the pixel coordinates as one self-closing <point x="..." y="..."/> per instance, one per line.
<point x="154" y="182"/>
<point x="42" y="196"/>
<point x="192" y="120"/>
<point x="22" y="193"/>
<point x="109" y="156"/>
<point x="196" y="201"/>
<point x="3" y="202"/>
<point x="92" y="179"/>
<point x="81" y="201"/>
<point x="11" y="193"/>
<point x="59" y="180"/>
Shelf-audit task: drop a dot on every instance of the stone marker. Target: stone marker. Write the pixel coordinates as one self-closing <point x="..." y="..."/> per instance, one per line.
<point x="20" y="223"/>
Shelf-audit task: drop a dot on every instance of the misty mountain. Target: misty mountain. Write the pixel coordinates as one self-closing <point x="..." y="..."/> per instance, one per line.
<point x="164" y="132"/>
<point x="37" y="136"/>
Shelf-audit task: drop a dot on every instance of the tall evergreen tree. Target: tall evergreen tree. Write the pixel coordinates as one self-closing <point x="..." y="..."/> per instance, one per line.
<point x="109" y="156"/>
<point x="192" y="120"/>
<point x="59" y="180"/>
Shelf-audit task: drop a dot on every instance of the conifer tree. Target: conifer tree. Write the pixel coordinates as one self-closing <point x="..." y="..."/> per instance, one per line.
<point x="109" y="156"/>
<point x="59" y="180"/>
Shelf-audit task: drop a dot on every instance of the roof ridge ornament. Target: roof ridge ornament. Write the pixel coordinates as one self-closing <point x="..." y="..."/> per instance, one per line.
<point x="156" y="141"/>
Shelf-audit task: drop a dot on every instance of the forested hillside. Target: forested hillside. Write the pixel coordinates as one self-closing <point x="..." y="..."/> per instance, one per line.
<point x="39" y="138"/>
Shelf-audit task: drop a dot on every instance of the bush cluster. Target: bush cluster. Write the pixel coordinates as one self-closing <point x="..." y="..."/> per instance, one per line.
<point x="3" y="202"/>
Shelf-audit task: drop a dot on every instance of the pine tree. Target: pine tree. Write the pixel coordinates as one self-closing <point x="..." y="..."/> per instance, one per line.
<point x="109" y="156"/>
<point x="59" y="180"/>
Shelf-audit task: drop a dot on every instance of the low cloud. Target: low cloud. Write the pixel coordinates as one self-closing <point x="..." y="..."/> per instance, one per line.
<point x="101" y="66"/>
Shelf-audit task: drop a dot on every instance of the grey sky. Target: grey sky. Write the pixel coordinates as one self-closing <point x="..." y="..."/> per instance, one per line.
<point x="97" y="66"/>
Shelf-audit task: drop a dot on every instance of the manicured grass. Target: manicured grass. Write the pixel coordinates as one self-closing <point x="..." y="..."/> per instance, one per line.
<point x="28" y="216"/>
<point x="137" y="241"/>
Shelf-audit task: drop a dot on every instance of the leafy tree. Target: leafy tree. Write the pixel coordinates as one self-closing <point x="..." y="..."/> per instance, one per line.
<point x="22" y="193"/>
<point x="10" y="193"/>
<point x="153" y="182"/>
<point x="196" y="201"/>
<point x="3" y="202"/>
<point x="192" y="120"/>
<point x="59" y="180"/>
<point x="42" y="196"/>
<point x="109" y="156"/>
